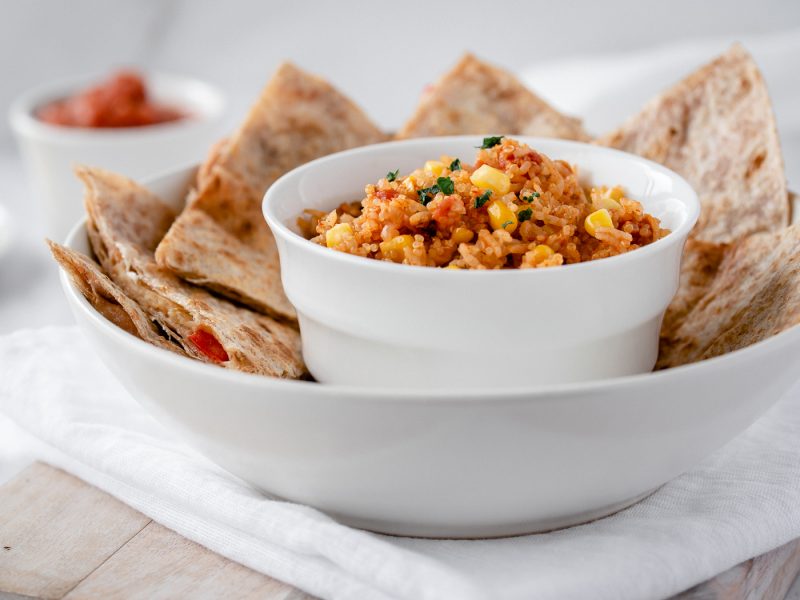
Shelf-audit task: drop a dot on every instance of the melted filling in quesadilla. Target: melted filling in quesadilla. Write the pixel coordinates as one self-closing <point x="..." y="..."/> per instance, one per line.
<point x="206" y="343"/>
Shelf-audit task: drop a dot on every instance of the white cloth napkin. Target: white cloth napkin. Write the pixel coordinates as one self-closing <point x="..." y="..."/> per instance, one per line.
<point x="742" y="501"/>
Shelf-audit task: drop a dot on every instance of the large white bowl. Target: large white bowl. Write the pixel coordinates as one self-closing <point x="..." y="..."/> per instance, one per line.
<point x="51" y="151"/>
<point x="446" y="463"/>
<point x="371" y="322"/>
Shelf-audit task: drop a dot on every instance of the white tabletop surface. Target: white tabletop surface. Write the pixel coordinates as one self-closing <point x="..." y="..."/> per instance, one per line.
<point x="29" y="292"/>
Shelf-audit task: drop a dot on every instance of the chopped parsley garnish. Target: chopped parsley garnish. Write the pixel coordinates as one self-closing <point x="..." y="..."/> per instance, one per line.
<point x="490" y="142"/>
<point x="392" y="175"/>
<point x="483" y="198"/>
<point x="455" y="165"/>
<point x="532" y="197"/>
<point x="427" y="194"/>
<point x="445" y="185"/>
<point x="506" y="224"/>
<point x="524" y="215"/>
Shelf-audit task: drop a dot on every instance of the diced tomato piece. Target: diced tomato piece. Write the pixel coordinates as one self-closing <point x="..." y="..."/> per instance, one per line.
<point x="535" y="157"/>
<point x="206" y="343"/>
<point x="444" y="206"/>
<point x="447" y="211"/>
<point x="386" y="194"/>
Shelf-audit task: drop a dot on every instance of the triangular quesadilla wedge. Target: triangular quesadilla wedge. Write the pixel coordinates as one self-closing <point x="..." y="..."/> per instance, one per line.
<point x="754" y="294"/>
<point x="699" y="267"/>
<point x="478" y="98"/>
<point x="716" y="128"/>
<point x="107" y="298"/>
<point x="221" y="241"/>
<point x="125" y="224"/>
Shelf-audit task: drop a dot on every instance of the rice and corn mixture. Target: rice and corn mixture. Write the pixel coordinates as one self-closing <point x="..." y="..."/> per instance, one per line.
<point x="513" y="208"/>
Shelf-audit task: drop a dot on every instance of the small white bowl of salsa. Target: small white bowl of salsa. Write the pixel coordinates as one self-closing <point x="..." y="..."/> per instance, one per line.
<point x="130" y="123"/>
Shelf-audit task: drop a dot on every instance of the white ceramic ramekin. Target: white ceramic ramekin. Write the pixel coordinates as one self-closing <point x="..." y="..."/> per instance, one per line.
<point x="51" y="151"/>
<point x="368" y="322"/>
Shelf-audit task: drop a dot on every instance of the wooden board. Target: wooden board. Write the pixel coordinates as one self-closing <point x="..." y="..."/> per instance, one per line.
<point x="158" y="563"/>
<point x="55" y="530"/>
<point x="62" y="538"/>
<point x="765" y="577"/>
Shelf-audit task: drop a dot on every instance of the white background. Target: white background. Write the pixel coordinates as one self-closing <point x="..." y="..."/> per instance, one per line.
<point x="381" y="52"/>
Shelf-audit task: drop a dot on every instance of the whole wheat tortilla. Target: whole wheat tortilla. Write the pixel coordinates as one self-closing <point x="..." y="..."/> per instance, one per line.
<point x="476" y="97"/>
<point x="699" y="266"/>
<point x="754" y="294"/>
<point x="221" y="241"/>
<point x="716" y="128"/>
<point x="107" y="298"/>
<point x="126" y="222"/>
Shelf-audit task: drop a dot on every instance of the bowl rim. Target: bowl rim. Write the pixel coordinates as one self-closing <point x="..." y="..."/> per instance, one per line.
<point x="676" y="236"/>
<point x="24" y="122"/>
<point x="455" y="395"/>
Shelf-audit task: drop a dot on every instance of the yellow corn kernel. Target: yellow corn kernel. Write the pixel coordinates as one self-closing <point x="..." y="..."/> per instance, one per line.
<point x="606" y="203"/>
<point x="542" y="252"/>
<point x="599" y="218"/>
<point x="501" y="216"/>
<point x="452" y="267"/>
<point x="338" y="234"/>
<point x="605" y="198"/>
<point x="462" y="235"/>
<point x="393" y="249"/>
<point x="435" y="167"/>
<point x="489" y="178"/>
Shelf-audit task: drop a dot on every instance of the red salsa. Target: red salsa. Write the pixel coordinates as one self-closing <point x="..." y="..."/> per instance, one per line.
<point x="121" y="101"/>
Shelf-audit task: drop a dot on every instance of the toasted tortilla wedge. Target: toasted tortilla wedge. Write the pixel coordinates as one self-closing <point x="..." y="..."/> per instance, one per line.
<point x="754" y="294"/>
<point x="221" y="241"/>
<point x="699" y="267"/>
<point x="717" y="129"/>
<point x="107" y="298"/>
<point x="126" y="222"/>
<point x="476" y="97"/>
